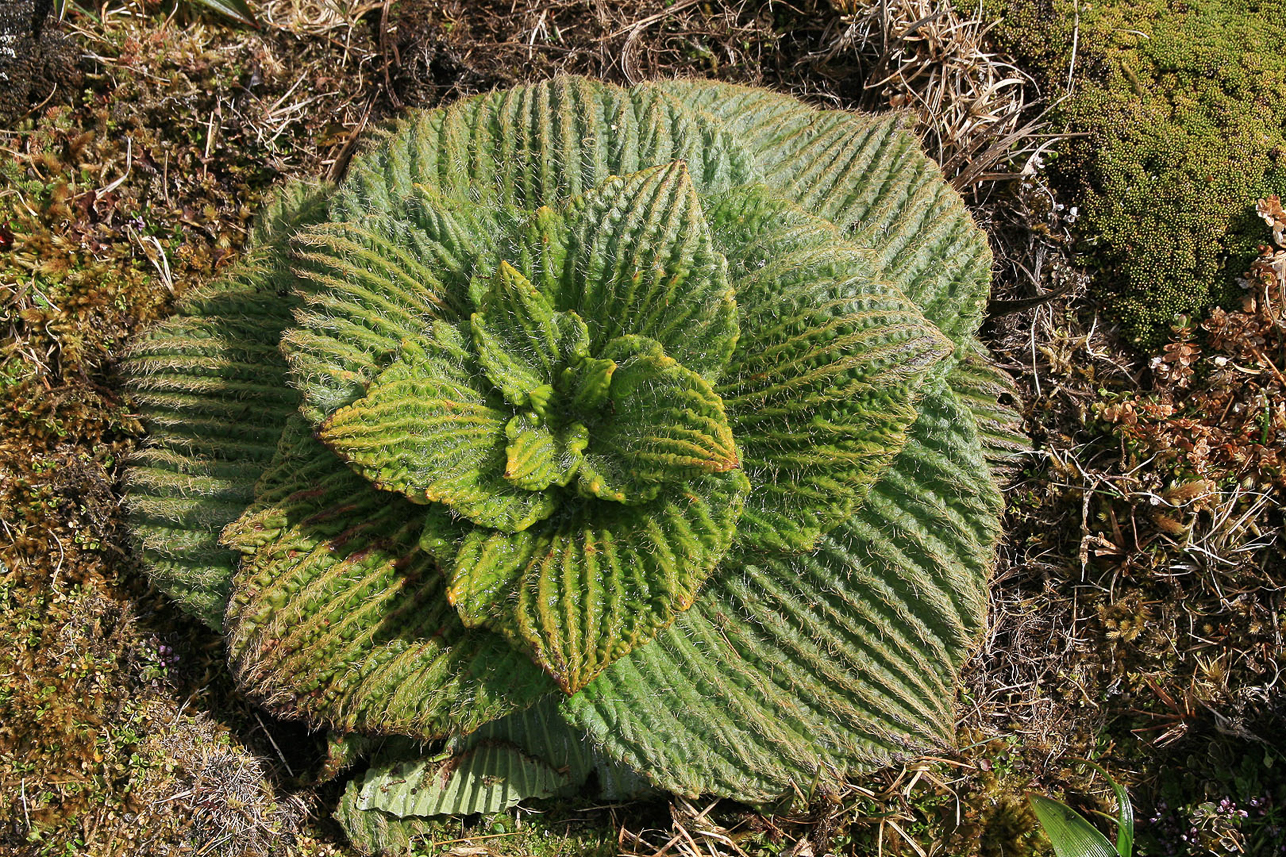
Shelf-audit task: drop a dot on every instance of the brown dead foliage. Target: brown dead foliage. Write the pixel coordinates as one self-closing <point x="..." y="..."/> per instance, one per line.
<point x="1138" y="607"/>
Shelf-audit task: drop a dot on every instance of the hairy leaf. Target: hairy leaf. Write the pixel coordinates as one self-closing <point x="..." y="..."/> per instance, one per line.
<point x="866" y="175"/>
<point x="821" y="389"/>
<point x="428" y="429"/>
<point x="339" y="616"/>
<point x="649" y="424"/>
<point x="579" y="593"/>
<point x="800" y="669"/>
<point x="212" y="389"/>
<point x="642" y="263"/>
<point x="515" y="337"/>
<point x="664" y="424"/>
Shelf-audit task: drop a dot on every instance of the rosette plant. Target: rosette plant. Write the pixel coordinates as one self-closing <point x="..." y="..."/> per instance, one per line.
<point x="640" y="430"/>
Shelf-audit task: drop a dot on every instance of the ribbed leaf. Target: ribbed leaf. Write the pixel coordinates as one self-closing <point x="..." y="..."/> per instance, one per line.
<point x="428" y="429"/>
<point x="541" y="731"/>
<point x="987" y="391"/>
<point x="515" y="338"/>
<point x="539" y="456"/>
<point x="642" y="262"/>
<point x="489" y="777"/>
<point x="369" y="284"/>
<point x="210" y="388"/>
<point x="577" y="593"/>
<point x="339" y="616"/>
<point x="800" y="669"/>
<point x="663" y="424"/>
<point x="371" y="831"/>
<point x="821" y="389"/>
<point x="589" y="384"/>
<point x="542" y="145"/>
<point x="868" y="176"/>
<point x="532" y="753"/>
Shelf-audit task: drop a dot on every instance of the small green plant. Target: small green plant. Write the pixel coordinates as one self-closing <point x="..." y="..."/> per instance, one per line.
<point x="1071" y="833"/>
<point x="639" y="433"/>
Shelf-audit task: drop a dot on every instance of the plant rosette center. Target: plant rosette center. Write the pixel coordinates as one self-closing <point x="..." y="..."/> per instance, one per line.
<point x="555" y="449"/>
<point x="646" y="422"/>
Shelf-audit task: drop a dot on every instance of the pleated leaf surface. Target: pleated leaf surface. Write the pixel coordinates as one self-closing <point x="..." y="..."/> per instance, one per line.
<point x="368" y="284"/>
<point x="528" y="754"/>
<point x="868" y="176"/>
<point x="211" y="390"/>
<point x="799" y="669"/>
<point x="664" y="424"/>
<point x="339" y="616"/>
<point x="429" y="428"/>
<point x="589" y="589"/>
<point x="542" y="145"/>
<point x="642" y="263"/>
<point x="489" y="777"/>
<point x="822" y="386"/>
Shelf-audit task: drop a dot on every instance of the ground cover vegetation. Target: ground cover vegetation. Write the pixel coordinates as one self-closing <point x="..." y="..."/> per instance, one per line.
<point x="1179" y="110"/>
<point x="1136" y="610"/>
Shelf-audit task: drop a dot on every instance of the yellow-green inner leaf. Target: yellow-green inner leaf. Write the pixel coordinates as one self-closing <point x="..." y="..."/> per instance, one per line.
<point x="539" y="456"/>
<point x="663" y="423"/>
<point x="430" y="429"/>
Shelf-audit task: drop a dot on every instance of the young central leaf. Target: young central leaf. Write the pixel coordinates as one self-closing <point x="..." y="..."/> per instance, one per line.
<point x="429" y="428"/>
<point x="538" y="456"/>
<point x="515" y="338"/>
<point x="578" y="592"/>
<point x="664" y="424"/>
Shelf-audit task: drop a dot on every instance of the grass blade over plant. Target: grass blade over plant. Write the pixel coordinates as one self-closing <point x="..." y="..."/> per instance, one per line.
<point x="1069" y="832"/>
<point x="238" y="10"/>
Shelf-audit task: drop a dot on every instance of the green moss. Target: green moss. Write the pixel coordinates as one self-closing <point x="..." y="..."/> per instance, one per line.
<point x="1184" y="105"/>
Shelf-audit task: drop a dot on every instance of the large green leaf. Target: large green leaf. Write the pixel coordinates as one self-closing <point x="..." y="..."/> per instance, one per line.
<point x="542" y="145"/>
<point x="822" y="386"/>
<point x="642" y="262"/>
<point x="868" y="176"/>
<point x="796" y="670"/>
<point x="489" y="777"/>
<point x="528" y="754"/>
<point x="991" y="395"/>
<point x="211" y="390"/>
<point x="339" y="616"/>
<point x="370" y="283"/>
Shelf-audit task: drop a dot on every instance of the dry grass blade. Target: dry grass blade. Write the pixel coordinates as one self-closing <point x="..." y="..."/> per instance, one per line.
<point x="970" y="103"/>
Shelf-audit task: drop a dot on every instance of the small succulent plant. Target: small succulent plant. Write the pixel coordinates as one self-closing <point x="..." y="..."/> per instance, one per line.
<point x="642" y="430"/>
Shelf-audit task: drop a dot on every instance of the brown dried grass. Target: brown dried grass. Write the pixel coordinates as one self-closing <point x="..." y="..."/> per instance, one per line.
<point x="971" y="104"/>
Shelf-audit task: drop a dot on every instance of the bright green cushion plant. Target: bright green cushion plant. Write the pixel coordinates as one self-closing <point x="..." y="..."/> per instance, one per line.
<point x="639" y="431"/>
